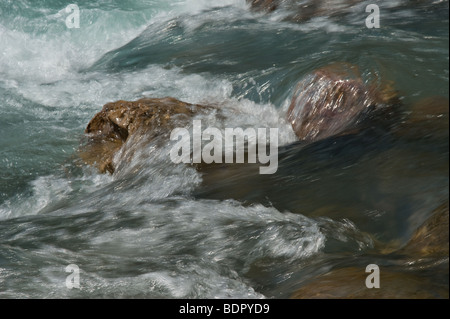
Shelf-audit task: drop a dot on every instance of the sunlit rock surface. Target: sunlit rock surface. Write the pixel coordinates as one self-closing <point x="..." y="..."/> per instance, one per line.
<point x="334" y="100"/>
<point x="118" y="121"/>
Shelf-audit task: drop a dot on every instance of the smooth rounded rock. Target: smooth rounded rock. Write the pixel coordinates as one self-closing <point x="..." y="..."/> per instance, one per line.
<point x="334" y="100"/>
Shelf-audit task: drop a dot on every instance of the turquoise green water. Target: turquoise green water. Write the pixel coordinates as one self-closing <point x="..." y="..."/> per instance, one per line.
<point x="168" y="231"/>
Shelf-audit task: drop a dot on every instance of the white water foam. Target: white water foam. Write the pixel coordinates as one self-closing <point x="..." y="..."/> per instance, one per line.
<point x="45" y="70"/>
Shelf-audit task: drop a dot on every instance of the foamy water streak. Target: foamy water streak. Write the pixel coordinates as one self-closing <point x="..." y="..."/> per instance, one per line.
<point x="182" y="250"/>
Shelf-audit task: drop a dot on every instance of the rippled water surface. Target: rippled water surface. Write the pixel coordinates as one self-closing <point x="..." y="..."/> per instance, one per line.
<point x="161" y="230"/>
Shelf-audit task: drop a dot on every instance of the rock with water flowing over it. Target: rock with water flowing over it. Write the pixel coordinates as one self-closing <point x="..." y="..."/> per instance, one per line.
<point x="306" y="10"/>
<point x="432" y="238"/>
<point x="426" y="251"/>
<point x="330" y="101"/>
<point x="118" y="121"/>
<point x="300" y="11"/>
<point x="427" y="118"/>
<point x="334" y="100"/>
<point x="264" y="5"/>
<point x="349" y="283"/>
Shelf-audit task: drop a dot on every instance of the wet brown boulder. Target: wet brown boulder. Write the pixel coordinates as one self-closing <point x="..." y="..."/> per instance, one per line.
<point x="428" y="249"/>
<point x="334" y="100"/>
<point x="118" y="121"/>
<point x="426" y="118"/>
<point x="301" y="11"/>
<point x="349" y="283"/>
<point x="264" y="5"/>
<point x="432" y="238"/>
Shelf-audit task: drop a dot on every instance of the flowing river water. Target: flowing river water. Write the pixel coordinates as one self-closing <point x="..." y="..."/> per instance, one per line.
<point x="156" y="229"/>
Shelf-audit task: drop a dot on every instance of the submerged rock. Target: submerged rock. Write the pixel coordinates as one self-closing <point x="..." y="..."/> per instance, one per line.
<point x="349" y="283"/>
<point x="264" y="5"/>
<point x="432" y="238"/>
<point x="301" y="11"/>
<point x="118" y="121"/>
<point x="426" y="118"/>
<point x="427" y="255"/>
<point x="335" y="100"/>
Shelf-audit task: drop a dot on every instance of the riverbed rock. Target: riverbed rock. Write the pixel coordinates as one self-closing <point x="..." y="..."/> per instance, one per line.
<point x="334" y="100"/>
<point x="432" y="238"/>
<point x="118" y="121"/>
<point x="264" y="5"/>
<point x="349" y="283"/>
<point x="301" y="11"/>
<point x="425" y="254"/>
<point x="427" y="118"/>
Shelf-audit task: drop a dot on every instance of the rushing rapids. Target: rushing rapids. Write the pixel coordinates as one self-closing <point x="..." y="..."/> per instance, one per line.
<point x="362" y="176"/>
